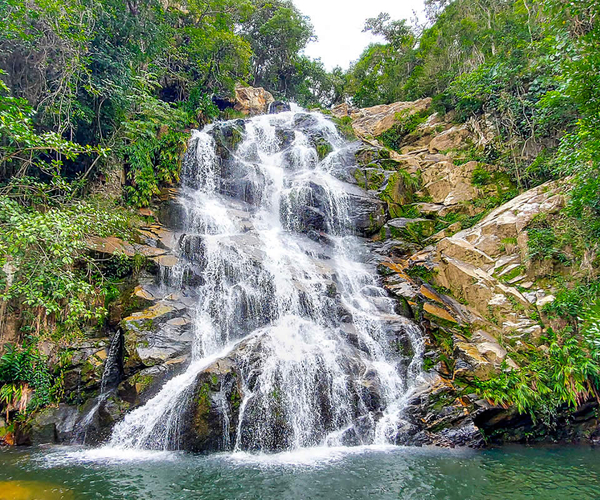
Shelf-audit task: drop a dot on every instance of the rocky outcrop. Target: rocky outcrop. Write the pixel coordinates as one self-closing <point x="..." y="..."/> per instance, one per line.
<point x="483" y="272"/>
<point x="252" y="101"/>
<point x="157" y="334"/>
<point x="458" y="266"/>
<point x="212" y="419"/>
<point x="450" y="185"/>
<point x="483" y="265"/>
<point x="374" y="121"/>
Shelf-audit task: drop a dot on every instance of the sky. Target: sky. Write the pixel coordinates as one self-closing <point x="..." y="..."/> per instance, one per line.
<point x="339" y="23"/>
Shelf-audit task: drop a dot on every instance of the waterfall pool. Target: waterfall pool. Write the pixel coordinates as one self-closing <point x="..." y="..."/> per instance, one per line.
<point x="541" y="473"/>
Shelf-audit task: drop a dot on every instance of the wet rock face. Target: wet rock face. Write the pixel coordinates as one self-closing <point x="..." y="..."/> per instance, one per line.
<point x="217" y="406"/>
<point x="145" y="384"/>
<point x="212" y="417"/>
<point x="306" y="206"/>
<point x="279" y="107"/>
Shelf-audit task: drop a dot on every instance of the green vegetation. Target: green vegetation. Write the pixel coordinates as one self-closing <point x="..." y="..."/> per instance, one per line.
<point x="25" y="379"/>
<point x="115" y="84"/>
<point x="47" y="269"/>
<point x="406" y="125"/>
<point x="530" y="67"/>
<point x="566" y="373"/>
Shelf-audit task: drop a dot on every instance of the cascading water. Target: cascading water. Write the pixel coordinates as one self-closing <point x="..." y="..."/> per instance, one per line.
<point x="110" y="378"/>
<point x="283" y="290"/>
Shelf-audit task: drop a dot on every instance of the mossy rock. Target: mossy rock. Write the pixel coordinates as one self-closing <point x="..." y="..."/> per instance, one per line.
<point x="375" y="178"/>
<point x="384" y="154"/>
<point x="396" y="211"/>
<point x="285" y="137"/>
<point x="323" y="147"/>
<point x="400" y="189"/>
<point x="413" y="230"/>
<point x="147" y="319"/>
<point x="216" y="390"/>
<point x="389" y="164"/>
<point x="361" y="178"/>
<point x="227" y="137"/>
<point x="365" y="156"/>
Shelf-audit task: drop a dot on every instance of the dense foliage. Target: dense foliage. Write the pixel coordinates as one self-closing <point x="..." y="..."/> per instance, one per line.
<point x="47" y="267"/>
<point x="80" y="78"/>
<point x="24" y="378"/>
<point x="565" y="373"/>
<point x="530" y="67"/>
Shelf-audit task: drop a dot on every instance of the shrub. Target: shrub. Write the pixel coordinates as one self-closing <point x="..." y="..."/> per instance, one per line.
<point x="481" y="177"/>
<point x="45" y="263"/>
<point x="566" y="373"/>
<point x="23" y="368"/>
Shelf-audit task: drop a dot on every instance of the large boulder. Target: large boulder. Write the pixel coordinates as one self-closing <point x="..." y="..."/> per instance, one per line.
<point x="53" y="425"/>
<point x="374" y="121"/>
<point x="367" y="214"/>
<point x="211" y="423"/>
<point x="145" y="384"/>
<point x="342" y="110"/>
<point x="252" y="101"/>
<point x="450" y="139"/>
<point x="449" y="184"/>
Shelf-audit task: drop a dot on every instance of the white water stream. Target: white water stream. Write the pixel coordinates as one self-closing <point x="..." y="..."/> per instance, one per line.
<point x="283" y="287"/>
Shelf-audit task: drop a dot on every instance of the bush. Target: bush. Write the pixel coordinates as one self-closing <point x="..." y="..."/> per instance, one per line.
<point x="21" y="369"/>
<point x="481" y="177"/>
<point x="566" y="373"/>
<point x="405" y="125"/>
<point x="45" y="263"/>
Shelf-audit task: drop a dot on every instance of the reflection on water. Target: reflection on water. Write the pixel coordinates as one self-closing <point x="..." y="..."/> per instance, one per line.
<point x="560" y="473"/>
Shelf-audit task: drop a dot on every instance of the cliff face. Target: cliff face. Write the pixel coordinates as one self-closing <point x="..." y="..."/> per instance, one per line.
<point x="461" y="262"/>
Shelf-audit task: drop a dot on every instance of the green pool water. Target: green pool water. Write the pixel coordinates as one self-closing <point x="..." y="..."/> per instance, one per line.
<point x="513" y="473"/>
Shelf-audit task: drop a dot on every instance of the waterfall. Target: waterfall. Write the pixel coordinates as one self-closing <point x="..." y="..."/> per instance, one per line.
<point x="285" y="289"/>
<point x="111" y="376"/>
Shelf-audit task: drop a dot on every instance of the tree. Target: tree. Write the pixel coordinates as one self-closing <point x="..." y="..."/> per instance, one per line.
<point x="276" y="32"/>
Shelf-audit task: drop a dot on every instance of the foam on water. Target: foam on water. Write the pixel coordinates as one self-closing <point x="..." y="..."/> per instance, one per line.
<point x="303" y="457"/>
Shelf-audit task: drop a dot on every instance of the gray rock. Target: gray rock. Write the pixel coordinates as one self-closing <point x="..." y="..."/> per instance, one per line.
<point x="53" y="425"/>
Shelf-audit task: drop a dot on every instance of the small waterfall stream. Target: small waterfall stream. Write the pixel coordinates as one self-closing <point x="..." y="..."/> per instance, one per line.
<point x="285" y="289"/>
<point x="110" y="378"/>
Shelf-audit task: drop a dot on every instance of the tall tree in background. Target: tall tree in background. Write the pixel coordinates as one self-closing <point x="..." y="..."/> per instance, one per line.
<point x="277" y="32"/>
